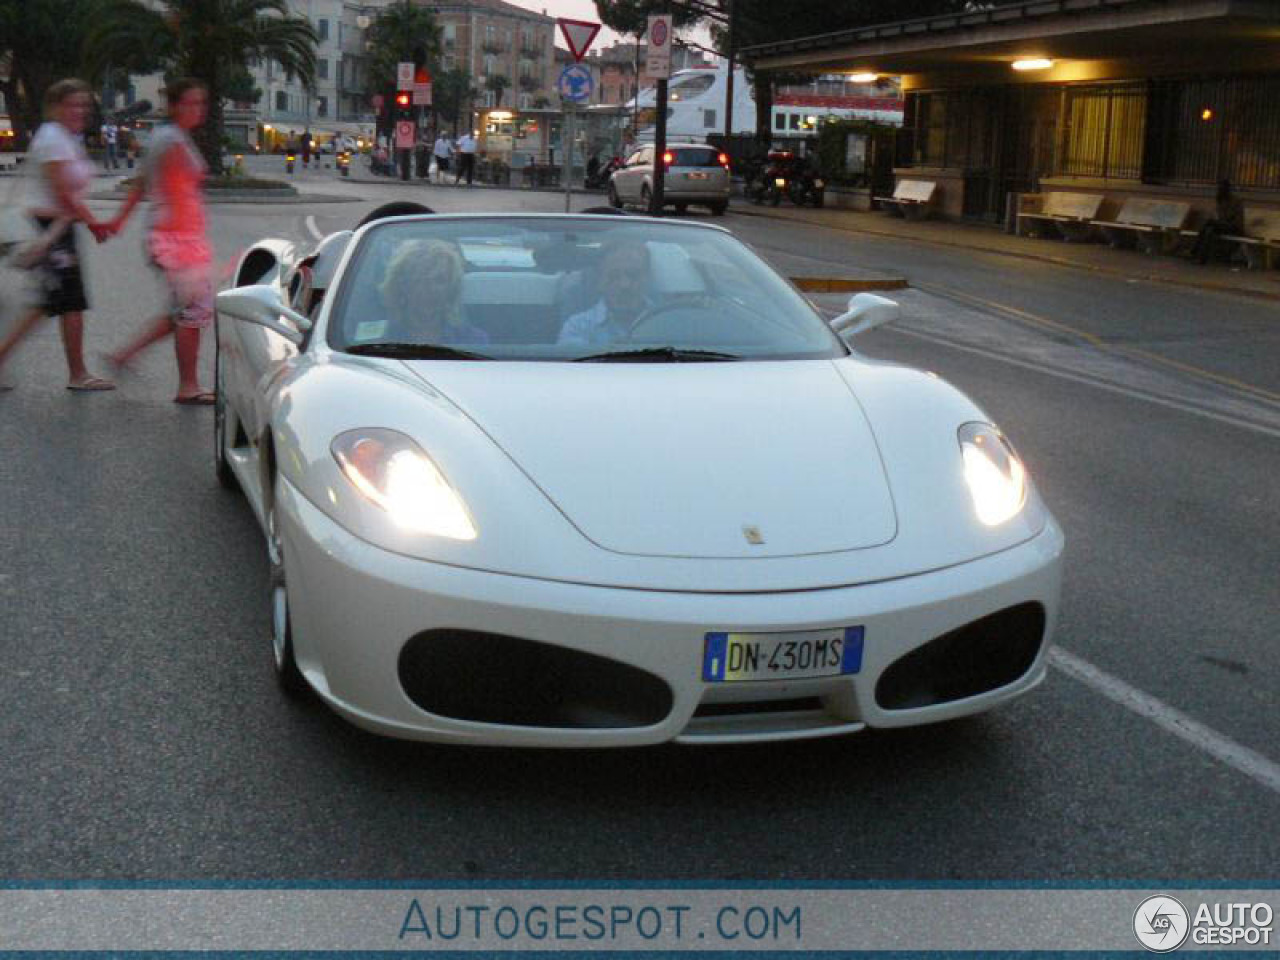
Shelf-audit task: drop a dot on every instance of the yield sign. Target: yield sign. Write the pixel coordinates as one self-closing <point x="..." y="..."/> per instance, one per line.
<point x="578" y="34"/>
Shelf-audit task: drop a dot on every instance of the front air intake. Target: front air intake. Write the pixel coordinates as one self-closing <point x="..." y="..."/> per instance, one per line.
<point x="492" y="678"/>
<point x="979" y="657"/>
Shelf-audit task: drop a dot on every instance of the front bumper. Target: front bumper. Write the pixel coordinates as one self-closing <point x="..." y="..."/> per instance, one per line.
<point x="354" y="607"/>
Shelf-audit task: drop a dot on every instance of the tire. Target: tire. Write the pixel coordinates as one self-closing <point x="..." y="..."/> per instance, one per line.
<point x="226" y="476"/>
<point x="646" y="199"/>
<point x="615" y="201"/>
<point x="682" y="208"/>
<point x="718" y="209"/>
<point x="288" y="675"/>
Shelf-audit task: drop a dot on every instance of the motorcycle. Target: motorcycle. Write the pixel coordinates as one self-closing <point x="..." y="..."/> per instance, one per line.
<point x="343" y="161"/>
<point x="289" y="159"/>
<point x="773" y="180"/>
<point x="806" y="186"/>
<point x="599" y="178"/>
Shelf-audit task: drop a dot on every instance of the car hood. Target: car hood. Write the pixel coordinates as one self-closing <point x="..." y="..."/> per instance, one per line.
<point x="698" y="460"/>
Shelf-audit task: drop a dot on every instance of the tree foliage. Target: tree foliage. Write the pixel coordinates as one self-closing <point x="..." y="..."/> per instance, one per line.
<point x="632" y="16"/>
<point x="452" y="91"/>
<point x="403" y="33"/>
<point x="42" y="42"/>
<point x="215" y="41"/>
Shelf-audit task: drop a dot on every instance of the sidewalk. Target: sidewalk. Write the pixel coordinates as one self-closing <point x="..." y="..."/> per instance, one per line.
<point x="1094" y="257"/>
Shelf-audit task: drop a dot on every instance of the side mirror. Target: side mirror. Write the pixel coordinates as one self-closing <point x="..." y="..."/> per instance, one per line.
<point x="262" y="305"/>
<point x="866" y="311"/>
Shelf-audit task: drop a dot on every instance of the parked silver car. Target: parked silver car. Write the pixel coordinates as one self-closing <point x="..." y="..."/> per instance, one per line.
<point x="696" y="173"/>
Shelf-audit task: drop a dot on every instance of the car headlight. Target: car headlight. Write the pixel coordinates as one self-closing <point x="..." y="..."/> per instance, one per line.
<point x="393" y="472"/>
<point x="996" y="478"/>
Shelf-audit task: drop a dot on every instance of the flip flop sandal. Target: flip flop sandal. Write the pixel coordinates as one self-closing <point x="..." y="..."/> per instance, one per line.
<point x="204" y="399"/>
<point x="91" y="385"/>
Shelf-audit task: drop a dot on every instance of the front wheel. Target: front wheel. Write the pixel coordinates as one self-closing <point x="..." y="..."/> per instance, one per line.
<point x="287" y="673"/>
<point x="718" y="209"/>
<point x="226" y="476"/>
<point x="646" y="200"/>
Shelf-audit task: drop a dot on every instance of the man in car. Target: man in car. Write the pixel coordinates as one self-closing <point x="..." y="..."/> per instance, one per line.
<point x="624" y="284"/>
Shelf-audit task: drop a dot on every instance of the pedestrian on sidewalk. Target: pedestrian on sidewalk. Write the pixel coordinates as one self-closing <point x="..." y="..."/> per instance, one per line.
<point x="466" y="158"/>
<point x="177" y="243"/>
<point x="442" y="150"/>
<point x="1229" y="221"/>
<point x="306" y="148"/>
<point x="63" y="174"/>
<point x="110" y="133"/>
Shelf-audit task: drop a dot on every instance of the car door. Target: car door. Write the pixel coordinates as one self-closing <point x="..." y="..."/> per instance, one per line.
<point x="632" y="176"/>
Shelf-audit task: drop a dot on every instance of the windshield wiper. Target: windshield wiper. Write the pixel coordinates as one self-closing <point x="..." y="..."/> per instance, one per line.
<point x="657" y="355"/>
<point x="414" y="351"/>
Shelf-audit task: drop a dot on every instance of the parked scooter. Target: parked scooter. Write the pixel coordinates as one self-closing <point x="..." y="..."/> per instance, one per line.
<point x="806" y="186"/>
<point x="343" y="160"/>
<point x="289" y="159"/>
<point x="598" y="179"/>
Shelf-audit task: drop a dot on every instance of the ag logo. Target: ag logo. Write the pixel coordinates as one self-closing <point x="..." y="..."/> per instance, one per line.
<point x="1161" y="923"/>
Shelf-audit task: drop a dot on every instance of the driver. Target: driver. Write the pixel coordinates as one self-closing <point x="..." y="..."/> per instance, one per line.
<point x="624" y="283"/>
<point x="422" y="292"/>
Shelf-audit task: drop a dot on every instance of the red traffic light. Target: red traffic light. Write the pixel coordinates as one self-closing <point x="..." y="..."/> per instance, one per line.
<point x="403" y="98"/>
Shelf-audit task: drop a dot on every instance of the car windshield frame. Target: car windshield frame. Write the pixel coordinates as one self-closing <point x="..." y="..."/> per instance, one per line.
<point x="768" y="320"/>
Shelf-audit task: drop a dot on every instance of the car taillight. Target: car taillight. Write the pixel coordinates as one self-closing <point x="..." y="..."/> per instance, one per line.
<point x="724" y="161"/>
<point x="668" y="158"/>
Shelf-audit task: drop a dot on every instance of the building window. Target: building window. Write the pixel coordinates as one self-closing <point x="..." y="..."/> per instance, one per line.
<point x="709" y="119"/>
<point x="322" y="29"/>
<point x="322" y="69"/>
<point x="779" y="121"/>
<point x="793" y="120"/>
<point x="282" y="100"/>
<point x="1102" y="131"/>
<point x="450" y="34"/>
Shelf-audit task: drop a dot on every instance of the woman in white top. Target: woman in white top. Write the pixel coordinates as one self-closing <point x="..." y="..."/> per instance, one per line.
<point x="64" y="172"/>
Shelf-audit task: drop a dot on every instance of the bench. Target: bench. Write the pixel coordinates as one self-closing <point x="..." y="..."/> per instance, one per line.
<point x="1262" y="237"/>
<point x="1071" y="213"/>
<point x="911" y="198"/>
<point x="1157" y="225"/>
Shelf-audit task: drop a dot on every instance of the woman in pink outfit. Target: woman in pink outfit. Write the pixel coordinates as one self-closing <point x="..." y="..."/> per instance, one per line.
<point x="177" y="244"/>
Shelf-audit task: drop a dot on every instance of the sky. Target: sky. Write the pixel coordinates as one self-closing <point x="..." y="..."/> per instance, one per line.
<point x="586" y="10"/>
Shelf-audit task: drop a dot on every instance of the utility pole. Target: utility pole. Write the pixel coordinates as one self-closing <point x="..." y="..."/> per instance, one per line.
<point x="728" y="98"/>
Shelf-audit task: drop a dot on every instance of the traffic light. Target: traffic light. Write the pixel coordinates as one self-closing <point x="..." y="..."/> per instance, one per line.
<point x="404" y="103"/>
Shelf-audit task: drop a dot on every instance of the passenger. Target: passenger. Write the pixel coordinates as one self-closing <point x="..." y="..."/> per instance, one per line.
<point x="624" y="285"/>
<point x="422" y="293"/>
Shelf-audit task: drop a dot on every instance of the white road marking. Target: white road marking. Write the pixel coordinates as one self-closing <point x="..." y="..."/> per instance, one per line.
<point x="1089" y="381"/>
<point x="1223" y="749"/>
<point x="314" y="230"/>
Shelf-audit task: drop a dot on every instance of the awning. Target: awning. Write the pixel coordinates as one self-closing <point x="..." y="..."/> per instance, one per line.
<point x="1055" y="29"/>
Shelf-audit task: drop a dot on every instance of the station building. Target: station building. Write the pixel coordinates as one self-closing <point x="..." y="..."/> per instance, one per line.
<point x="1145" y="98"/>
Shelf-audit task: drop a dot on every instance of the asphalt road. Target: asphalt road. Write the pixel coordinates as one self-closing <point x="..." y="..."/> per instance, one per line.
<point x="143" y="737"/>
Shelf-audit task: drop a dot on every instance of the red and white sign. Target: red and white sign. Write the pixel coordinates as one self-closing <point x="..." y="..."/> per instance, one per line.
<point x="404" y="75"/>
<point x="578" y="34"/>
<point x="422" y="94"/>
<point x="405" y="135"/>
<point x="658" y="50"/>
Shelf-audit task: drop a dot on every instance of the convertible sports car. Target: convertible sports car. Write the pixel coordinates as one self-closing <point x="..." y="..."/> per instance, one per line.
<point x="602" y="481"/>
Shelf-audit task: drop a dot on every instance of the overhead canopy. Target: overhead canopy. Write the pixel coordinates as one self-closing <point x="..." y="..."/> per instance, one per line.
<point x="1232" y="32"/>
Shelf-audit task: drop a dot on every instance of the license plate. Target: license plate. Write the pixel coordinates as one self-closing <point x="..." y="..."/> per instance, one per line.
<point x="735" y="657"/>
<point x="697" y="176"/>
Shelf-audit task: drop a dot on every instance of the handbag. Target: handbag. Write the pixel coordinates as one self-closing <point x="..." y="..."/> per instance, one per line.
<point x="22" y="240"/>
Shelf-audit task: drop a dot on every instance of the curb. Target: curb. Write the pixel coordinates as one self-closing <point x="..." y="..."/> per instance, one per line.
<point x="848" y="285"/>
<point x="1211" y="286"/>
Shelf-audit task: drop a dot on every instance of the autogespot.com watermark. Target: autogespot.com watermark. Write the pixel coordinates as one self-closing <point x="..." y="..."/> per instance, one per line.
<point x="433" y="922"/>
<point x="1162" y="924"/>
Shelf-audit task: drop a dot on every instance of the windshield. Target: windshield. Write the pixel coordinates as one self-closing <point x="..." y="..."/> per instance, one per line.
<point x="569" y="288"/>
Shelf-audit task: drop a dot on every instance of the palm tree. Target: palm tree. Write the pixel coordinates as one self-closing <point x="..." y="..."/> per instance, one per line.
<point x="403" y="33"/>
<point x="497" y="83"/>
<point x="214" y="41"/>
